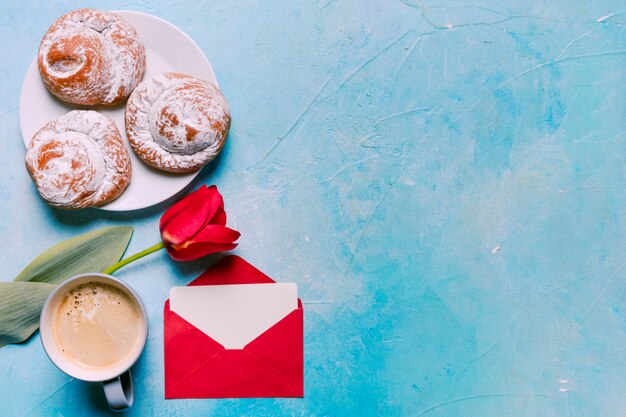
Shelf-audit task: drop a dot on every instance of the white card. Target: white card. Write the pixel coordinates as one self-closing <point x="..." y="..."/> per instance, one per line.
<point x="234" y="315"/>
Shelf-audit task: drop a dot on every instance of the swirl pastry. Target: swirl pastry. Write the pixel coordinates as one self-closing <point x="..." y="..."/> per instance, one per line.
<point x="176" y="122"/>
<point x="79" y="160"/>
<point x="91" y="57"/>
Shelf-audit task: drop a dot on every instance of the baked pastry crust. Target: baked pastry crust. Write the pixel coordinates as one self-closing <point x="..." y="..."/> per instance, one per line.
<point x="91" y="57"/>
<point x="177" y="123"/>
<point x="79" y="160"/>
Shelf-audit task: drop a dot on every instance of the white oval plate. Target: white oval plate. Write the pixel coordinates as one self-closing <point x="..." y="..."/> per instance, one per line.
<point x="167" y="49"/>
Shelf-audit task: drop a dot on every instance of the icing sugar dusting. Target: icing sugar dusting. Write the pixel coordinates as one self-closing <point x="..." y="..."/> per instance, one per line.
<point x="176" y="122"/>
<point x="78" y="160"/>
<point x="71" y="165"/>
<point x="91" y="57"/>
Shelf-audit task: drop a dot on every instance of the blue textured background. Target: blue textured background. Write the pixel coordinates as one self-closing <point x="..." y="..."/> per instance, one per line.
<point x="444" y="180"/>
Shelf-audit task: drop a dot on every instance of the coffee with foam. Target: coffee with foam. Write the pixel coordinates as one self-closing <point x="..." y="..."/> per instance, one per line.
<point x="97" y="325"/>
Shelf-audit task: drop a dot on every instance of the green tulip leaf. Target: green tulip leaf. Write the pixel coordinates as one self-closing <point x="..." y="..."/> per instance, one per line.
<point x="20" y="306"/>
<point x="90" y="252"/>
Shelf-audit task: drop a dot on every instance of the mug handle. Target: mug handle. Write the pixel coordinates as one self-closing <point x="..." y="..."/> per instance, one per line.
<point x="119" y="391"/>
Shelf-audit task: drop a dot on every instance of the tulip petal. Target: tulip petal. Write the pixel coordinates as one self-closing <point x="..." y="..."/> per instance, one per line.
<point x="181" y="206"/>
<point x="220" y="215"/>
<point x="198" y="250"/>
<point x="190" y="215"/>
<point x="214" y="233"/>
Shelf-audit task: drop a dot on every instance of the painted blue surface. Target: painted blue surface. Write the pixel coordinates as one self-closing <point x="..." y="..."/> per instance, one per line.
<point x="444" y="180"/>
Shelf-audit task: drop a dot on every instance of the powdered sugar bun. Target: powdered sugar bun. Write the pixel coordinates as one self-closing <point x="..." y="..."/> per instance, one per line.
<point x="91" y="57"/>
<point x="79" y="160"/>
<point x="176" y="122"/>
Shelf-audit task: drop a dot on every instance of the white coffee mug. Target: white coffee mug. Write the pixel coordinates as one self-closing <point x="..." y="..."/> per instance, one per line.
<point x="116" y="379"/>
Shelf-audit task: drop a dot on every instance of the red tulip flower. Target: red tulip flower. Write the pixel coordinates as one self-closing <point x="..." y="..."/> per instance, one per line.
<point x="192" y="228"/>
<point x="196" y="226"/>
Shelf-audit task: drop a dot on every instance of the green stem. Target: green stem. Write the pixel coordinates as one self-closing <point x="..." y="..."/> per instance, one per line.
<point x="133" y="258"/>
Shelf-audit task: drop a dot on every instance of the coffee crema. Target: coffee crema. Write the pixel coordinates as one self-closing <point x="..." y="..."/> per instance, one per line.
<point x="97" y="324"/>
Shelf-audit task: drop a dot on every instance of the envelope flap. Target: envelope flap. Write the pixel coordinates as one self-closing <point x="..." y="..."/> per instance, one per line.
<point x="234" y="315"/>
<point x="231" y="270"/>
<point x="185" y="347"/>
<point x="282" y="347"/>
<point x="234" y="374"/>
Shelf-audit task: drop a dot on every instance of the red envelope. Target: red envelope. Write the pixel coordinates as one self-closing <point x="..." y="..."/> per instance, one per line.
<point x="197" y="366"/>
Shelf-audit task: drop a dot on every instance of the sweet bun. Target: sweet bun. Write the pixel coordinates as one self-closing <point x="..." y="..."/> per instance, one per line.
<point x="91" y="57"/>
<point x="79" y="160"/>
<point x="176" y="122"/>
